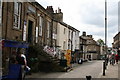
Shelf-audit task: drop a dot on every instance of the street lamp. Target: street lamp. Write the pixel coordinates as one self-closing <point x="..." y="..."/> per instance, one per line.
<point x="105" y="27"/>
<point x="105" y="62"/>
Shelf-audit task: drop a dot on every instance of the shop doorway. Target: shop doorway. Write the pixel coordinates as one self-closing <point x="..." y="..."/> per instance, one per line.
<point x="89" y="57"/>
<point x="30" y="26"/>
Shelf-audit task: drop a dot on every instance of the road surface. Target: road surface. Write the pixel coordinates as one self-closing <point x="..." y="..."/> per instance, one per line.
<point x="92" y="68"/>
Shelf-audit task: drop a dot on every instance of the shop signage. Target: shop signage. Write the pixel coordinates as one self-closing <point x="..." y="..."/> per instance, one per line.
<point x="31" y="9"/>
<point x="36" y="34"/>
<point x="24" y="31"/>
<point x="9" y="43"/>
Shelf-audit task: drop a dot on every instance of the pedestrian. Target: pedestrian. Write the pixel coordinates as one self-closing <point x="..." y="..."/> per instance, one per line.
<point x="21" y="59"/>
<point x="112" y="58"/>
<point x="116" y="58"/>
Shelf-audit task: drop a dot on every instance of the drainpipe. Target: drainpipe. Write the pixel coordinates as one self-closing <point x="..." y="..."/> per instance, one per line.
<point x="1" y="18"/>
<point x="52" y="33"/>
<point x="6" y="21"/>
<point x="71" y="41"/>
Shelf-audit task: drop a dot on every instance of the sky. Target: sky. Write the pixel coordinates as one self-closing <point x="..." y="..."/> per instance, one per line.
<point x="89" y="16"/>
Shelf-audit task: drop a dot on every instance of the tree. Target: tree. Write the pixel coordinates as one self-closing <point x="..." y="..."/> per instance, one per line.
<point x="100" y="42"/>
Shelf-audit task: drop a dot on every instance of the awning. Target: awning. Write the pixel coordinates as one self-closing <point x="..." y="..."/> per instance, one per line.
<point x="17" y="44"/>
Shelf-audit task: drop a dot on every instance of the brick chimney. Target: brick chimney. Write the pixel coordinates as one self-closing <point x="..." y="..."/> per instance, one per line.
<point x="50" y="9"/>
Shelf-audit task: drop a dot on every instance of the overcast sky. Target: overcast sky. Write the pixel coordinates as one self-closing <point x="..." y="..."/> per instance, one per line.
<point x="88" y="15"/>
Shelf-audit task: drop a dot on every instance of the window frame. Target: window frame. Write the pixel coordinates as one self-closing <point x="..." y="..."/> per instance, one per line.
<point x="64" y="30"/>
<point x="48" y="29"/>
<point x="17" y="15"/>
<point x="40" y="25"/>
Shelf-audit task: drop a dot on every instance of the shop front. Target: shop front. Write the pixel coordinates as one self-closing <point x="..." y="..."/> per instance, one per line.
<point x="9" y="50"/>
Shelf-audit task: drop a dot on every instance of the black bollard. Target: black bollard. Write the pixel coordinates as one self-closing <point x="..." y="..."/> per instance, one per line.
<point x="105" y="65"/>
<point x="104" y="68"/>
<point x="88" y="77"/>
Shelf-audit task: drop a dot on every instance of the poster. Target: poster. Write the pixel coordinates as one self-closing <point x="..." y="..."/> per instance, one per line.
<point x="24" y="32"/>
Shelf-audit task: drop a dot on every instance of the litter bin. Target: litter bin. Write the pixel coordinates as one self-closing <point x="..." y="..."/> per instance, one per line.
<point x="63" y="63"/>
<point x="80" y="61"/>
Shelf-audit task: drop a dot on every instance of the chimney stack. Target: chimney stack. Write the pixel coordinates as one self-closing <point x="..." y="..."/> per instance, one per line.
<point x="50" y="9"/>
<point x="89" y="36"/>
<point x="59" y="10"/>
<point x="55" y="11"/>
<point x="84" y="33"/>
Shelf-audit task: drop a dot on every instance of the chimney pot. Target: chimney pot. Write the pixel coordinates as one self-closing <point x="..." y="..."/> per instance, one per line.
<point x="55" y="11"/>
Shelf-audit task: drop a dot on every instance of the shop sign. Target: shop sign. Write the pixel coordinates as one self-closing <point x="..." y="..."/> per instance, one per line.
<point x="36" y="34"/>
<point x="24" y="31"/>
<point x="9" y="43"/>
<point x="31" y="9"/>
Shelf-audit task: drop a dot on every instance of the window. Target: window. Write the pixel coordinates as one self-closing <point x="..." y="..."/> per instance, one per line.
<point x="64" y="45"/>
<point x="69" y="32"/>
<point x="17" y="12"/>
<point x="48" y="29"/>
<point x="64" y="30"/>
<point x="75" y="44"/>
<point x="48" y="42"/>
<point x="0" y="13"/>
<point x="40" y="25"/>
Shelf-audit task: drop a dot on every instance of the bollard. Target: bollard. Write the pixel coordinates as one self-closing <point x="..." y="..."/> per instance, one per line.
<point x="88" y="77"/>
<point x="104" y="68"/>
<point x="105" y="65"/>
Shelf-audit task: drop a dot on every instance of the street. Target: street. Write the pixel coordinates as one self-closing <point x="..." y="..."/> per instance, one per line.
<point x="93" y="68"/>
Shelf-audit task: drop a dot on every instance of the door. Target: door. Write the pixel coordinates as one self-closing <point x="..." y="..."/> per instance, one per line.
<point x="30" y="35"/>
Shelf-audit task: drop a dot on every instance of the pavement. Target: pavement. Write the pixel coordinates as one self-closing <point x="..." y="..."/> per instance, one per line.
<point x="110" y="72"/>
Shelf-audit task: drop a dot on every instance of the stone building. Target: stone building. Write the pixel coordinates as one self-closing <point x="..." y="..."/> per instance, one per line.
<point x="82" y="47"/>
<point x="92" y="50"/>
<point x="116" y="41"/>
<point x="28" y="23"/>
<point x="24" y="24"/>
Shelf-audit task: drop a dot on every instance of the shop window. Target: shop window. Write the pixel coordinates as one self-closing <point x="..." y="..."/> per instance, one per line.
<point x="64" y="30"/>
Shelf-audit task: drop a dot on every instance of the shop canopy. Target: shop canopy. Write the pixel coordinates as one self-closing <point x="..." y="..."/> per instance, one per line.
<point x="17" y="44"/>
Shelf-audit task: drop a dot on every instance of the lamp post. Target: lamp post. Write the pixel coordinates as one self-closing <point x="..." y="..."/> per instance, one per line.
<point x="105" y="62"/>
<point x="105" y="29"/>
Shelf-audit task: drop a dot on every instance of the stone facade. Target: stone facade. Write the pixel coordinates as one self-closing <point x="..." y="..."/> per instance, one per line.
<point x="33" y="22"/>
<point x="116" y="41"/>
<point x="82" y="47"/>
<point x="92" y="50"/>
<point x="25" y="22"/>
